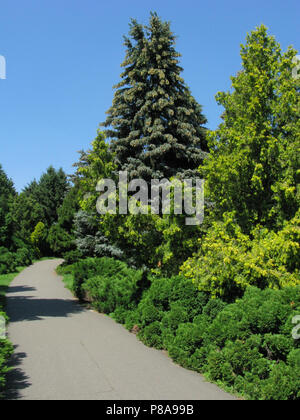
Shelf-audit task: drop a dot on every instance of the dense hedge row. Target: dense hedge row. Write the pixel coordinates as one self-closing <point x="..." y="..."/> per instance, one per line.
<point x="6" y="350"/>
<point x="246" y="346"/>
<point x="9" y="261"/>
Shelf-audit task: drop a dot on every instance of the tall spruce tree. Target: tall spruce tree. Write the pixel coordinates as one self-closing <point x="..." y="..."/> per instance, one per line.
<point x="155" y="125"/>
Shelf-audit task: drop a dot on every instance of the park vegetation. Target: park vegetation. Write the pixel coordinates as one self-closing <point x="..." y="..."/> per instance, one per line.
<point x="219" y="297"/>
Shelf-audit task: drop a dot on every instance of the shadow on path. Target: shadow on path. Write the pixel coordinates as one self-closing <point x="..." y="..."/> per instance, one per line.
<point x="19" y="289"/>
<point x="16" y="378"/>
<point x="29" y="308"/>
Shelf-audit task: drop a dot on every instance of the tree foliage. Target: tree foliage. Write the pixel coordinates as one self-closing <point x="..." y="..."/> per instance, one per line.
<point x="7" y="193"/>
<point x="155" y="125"/>
<point x="50" y="192"/>
<point x="253" y="167"/>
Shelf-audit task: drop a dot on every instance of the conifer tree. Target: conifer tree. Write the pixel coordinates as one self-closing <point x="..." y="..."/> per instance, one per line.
<point x="7" y="192"/>
<point x="93" y="165"/>
<point x="253" y="167"/>
<point x="50" y="192"/>
<point x="155" y="125"/>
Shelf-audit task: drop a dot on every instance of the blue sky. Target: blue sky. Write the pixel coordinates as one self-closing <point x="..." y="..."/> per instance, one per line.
<point x="63" y="57"/>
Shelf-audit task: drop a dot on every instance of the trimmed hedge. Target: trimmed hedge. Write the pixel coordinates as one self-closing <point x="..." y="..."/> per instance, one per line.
<point x="6" y="350"/>
<point x="246" y="346"/>
<point x="110" y="284"/>
<point x="115" y="287"/>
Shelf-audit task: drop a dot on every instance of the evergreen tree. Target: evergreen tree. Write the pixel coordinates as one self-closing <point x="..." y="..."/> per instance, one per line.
<point x="7" y="193"/>
<point x="93" y="165"/>
<point x="27" y="213"/>
<point x="50" y="192"/>
<point x="90" y="240"/>
<point x="155" y="125"/>
<point x="68" y="210"/>
<point x="253" y="167"/>
<point x="59" y="240"/>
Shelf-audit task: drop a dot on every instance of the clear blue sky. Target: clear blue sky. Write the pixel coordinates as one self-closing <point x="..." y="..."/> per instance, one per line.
<point x="63" y="57"/>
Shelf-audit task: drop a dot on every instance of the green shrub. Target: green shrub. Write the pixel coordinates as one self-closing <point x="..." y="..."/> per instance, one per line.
<point x="239" y="345"/>
<point x="82" y="271"/>
<point x="254" y="349"/>
<point x="115" y="285"/>
<point x="6" y="350"/>
<point x="175" y="316"/>
<point x="246" y="346"/>
<point x="277" y="346"/>
<point x="151" y="335"/>
<point x="229" y="261"/>
<point x="59" y="240"/>
<point x="282" y="384"/>
<point x="24" y="257"/>
<point x="164" y="293"/>
<point x="72" y="257"/>
<point x="65" y="269"/>
<point x="167" y="302"/>
<point x="7" y="261"/>
<point x="235" y="359"/>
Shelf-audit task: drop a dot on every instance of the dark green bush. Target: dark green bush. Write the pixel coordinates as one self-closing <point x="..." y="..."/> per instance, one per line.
<point x="151" y="335"/>
<point x="175" y="316"/>
<point x="72" y="257"/>
<point x="188" y="338"/>
<point x="246" y="346"/>
<point x="277" y="346"/>
<point x="282" y="384"/>
<point x="6" y="350"/>
<point x="115" y="285"/>
<point x="148" y="312"/>
<point x="24" y="257"/>
<point x="167" y="302"/>
<point x="65" y="269"/>
<point x="254" y="350"/>
<point x="82" y="271"/>
<point x="7" y="261"/>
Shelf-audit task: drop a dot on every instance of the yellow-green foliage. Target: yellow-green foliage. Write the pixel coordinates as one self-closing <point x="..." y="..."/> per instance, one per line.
<point x="253" y="166"/>
<point x="37" y="237"/>
<point x="94" y="165"/>
<point x="38" y="233"/>
<point x="229" y="261"/>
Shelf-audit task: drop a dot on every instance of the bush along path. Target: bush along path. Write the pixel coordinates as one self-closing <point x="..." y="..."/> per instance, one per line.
<point x="246" y="347"/>
<point x="6" y="348"/>
<point x="65" y="351"/>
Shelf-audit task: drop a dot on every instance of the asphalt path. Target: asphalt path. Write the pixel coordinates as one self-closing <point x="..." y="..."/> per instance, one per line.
<point x="64" y="351"/>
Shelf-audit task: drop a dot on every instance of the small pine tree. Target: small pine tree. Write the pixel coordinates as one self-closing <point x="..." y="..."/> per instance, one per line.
<point x="155" y="125"/>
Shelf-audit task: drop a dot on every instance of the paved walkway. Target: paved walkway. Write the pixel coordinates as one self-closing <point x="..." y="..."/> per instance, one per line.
<point x="64" y="351"/>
